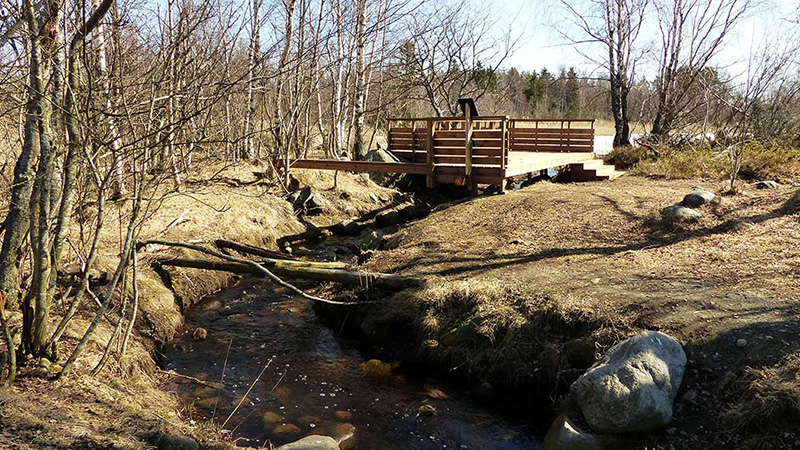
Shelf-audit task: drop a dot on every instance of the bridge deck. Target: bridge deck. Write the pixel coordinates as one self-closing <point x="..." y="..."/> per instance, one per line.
<point x="519" y="163"/>
<point x="475" y="150"/>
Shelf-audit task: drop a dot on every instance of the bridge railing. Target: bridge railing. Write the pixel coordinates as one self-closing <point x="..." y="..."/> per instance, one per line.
<point x="457" y="148"/>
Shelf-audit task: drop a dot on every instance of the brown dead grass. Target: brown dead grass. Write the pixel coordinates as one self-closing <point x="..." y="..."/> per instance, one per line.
<point x="539" y="267"/>
<point x="762" y="397"/>
<point x="126" y="402"/>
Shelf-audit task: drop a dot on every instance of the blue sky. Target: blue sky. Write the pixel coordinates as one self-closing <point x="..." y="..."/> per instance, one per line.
<point x="539" y="23"/>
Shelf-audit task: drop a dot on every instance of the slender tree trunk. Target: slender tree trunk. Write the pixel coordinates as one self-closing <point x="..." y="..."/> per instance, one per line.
<point x="359" y="150"/>
<point x="99" y="43"/>
<point x="282" y="137"/>
<point x="253" y="58"/>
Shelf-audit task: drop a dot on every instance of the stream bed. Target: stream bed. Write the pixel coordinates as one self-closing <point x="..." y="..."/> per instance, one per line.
<point x="312" y="382"/>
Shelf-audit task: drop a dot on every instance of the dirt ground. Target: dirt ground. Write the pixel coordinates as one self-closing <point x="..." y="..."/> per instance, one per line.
<point x="516" y="280"/>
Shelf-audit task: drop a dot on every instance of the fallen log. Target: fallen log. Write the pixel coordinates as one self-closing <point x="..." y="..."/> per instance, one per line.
<point x="252" y="250"/>
<point x="293" y="262"/>
<point x="347" y="277"/>
<point x="263" y="271"/>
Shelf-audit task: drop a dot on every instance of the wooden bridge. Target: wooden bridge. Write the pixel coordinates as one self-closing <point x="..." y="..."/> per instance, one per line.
<point x="484" y="150"/>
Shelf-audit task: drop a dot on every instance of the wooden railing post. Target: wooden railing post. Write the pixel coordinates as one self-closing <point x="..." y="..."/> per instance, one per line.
<point x="473" y="187"/>
<point x="413" y="141"/>
<point x="431" y="178"/>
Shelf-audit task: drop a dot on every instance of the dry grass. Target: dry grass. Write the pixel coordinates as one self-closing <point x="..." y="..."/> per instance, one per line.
<point x="765" y="397"/>
<point x="759" y="162"/>
<point x="530" y="271"/>
<point x="126" y="402"/>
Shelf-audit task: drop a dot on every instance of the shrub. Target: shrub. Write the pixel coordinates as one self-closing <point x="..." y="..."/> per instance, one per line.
<point x="769" y="161"/>
<point x="760" y="161"/>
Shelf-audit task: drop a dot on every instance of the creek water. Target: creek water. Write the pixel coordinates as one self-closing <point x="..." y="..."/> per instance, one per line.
<point x="312" y="382"/>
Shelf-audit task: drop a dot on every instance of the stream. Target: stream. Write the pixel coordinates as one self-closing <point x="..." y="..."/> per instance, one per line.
<point x="312" y="382"/>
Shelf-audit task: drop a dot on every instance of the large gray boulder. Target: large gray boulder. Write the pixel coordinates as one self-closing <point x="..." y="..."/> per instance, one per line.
<point x="312" y="442"/>
<point x="699" y="198"/>
<point x="633" y="386"/>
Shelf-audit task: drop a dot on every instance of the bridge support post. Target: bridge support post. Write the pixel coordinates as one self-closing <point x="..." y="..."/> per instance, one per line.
<point x="430" y="180"/>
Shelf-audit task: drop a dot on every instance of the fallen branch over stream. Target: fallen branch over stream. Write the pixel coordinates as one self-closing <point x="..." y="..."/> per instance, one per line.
<point x="291" y="269"/>
<point x="347" y="277"/>
<point x="252" y="250"/>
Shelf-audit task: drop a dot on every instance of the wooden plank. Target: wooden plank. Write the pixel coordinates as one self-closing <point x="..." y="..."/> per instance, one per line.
<point x="520" y="163"/>
<point x="551" y="132"/>
<point x="485" y="160"/>
<point x="359" y="166"/>
<point x="486" y="171"/>
<point x="554" y="141"/>
<point x="551" y="148"/>
<point x="449" y="151"/>
<point x="459" y="134"/>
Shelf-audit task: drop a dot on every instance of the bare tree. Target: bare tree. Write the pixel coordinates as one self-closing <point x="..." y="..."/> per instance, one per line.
<point x="616" y="26"/>
<point x="692" y="32"/>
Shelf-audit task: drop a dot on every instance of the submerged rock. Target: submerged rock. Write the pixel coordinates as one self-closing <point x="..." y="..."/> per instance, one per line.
<point x="565" y="435"/>
<point x="270" y="417"/>
<point x="699" y="198"/>
<point x="376" y="368"/>
<point x="679" y="212"/>
<point x="313" y="442"/>
<point x="343" y="415"/>
<point x="286" y="429"/>
<point x="633" y="386"/>
<point x="199" y="334"/>
<point x="308" y="421"/>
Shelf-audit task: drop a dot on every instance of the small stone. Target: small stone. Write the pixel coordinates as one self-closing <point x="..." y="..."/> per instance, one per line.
<point x="199" y="334"/>
<point x="436" y="394"/>
<point x="426" y="410"/>
<point x="767" y="184"/>
<point x="44" y="363"/>
<point x="170" y="442"/>
<point x="343" y="433"/>
<point x="679" y="212"/>
<point x="698" y="198"/>
<point x="741" y="343"/>
<point x="313" y="442"/>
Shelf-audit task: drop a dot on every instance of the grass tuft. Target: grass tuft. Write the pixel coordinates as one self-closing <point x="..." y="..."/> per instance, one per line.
<point x="764" y="398"/>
